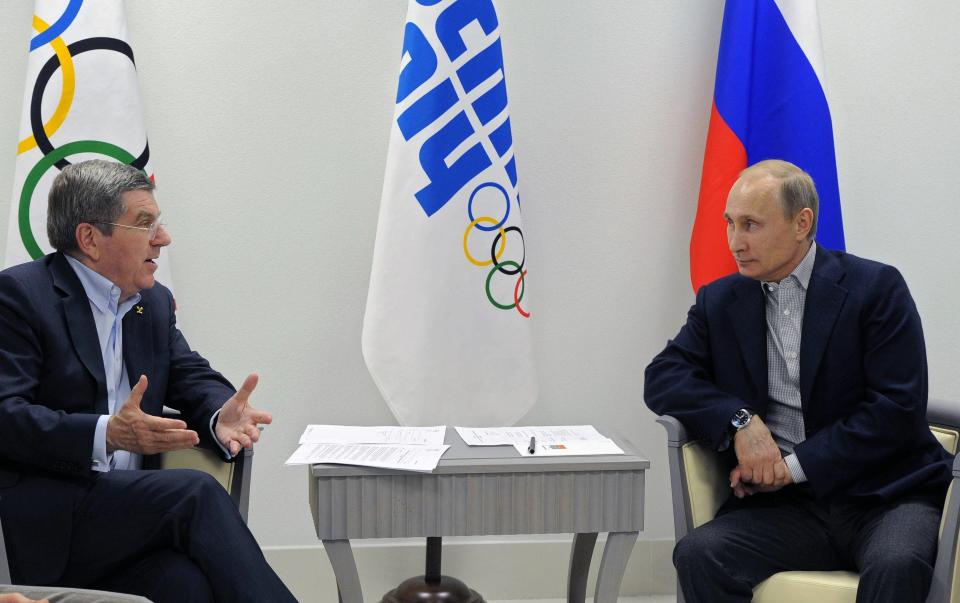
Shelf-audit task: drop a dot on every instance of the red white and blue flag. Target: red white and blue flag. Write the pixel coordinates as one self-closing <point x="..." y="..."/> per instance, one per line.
<point x="769" y="103"/>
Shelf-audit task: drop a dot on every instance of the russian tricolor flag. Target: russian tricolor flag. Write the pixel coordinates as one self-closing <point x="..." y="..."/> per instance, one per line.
<point x="769" y="103"/>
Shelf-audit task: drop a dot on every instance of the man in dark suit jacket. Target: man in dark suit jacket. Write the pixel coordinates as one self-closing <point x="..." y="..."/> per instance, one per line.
<point x="89" y="354"/>
<point x="809" y="367"/>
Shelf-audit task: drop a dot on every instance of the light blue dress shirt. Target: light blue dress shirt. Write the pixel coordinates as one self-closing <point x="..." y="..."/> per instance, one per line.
<point x="108" y="312"/>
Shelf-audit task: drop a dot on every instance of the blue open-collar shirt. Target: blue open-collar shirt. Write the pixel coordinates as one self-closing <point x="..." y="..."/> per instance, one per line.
<point x="108" y="312"/>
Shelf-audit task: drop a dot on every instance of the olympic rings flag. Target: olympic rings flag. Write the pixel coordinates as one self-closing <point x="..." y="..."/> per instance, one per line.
<point x="81" y="102"/>
<point x="446" y="335"/>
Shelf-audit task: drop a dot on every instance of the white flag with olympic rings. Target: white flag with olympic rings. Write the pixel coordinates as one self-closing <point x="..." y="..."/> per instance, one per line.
<point x="446" y="335"/>
<point x="82" y="101"/>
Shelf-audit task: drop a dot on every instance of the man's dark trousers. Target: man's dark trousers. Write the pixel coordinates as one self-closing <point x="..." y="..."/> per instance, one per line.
<point x="891" y="544"/>
<point x="172" y="535"/>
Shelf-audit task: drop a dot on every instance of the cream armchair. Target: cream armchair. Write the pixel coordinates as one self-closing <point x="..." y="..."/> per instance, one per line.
<point x="700" y="485"/>
<point x="234" y="477"/>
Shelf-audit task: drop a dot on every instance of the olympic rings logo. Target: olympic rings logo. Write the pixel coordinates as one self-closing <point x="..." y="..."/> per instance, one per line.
<point x="63" y="61"/>
<point x="498" y="265"/>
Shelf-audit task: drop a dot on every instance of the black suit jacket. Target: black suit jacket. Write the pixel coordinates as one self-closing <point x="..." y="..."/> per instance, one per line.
<point x="863" y="376"/>
<point x="52" y="390"/>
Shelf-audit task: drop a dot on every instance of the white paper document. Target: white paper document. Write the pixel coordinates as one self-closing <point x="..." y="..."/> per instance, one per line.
<point x="506" y="436"/>
<point x="386" y="434"/>
<point x="385" y="456"/>
<point x="571" y="448"/>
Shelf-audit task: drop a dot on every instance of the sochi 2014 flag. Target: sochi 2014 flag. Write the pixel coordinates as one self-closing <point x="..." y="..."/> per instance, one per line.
<point x="769" y="103"/>
<point x="446" y="334"/>
<point x="81" y="102"/>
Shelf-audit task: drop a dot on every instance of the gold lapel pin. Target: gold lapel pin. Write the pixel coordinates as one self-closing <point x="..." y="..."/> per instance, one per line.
<point x="139" y="309"/>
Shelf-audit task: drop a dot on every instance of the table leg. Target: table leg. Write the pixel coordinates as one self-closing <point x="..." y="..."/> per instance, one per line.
<point x="580" y="556"/>
<point x="612" y="566"/>
<point x="345" y="570"/>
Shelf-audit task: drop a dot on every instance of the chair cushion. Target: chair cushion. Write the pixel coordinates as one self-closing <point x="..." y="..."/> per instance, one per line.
<point x="804" y="587"/>
<point x="200" y="459"/>
<point x="947" y="436"/>
<point x="706" y="480"/>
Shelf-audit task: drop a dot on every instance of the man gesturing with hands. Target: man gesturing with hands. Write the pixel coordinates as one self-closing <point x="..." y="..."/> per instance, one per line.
<point x="136" y="431"/>
<point x="90" y="353"/>
<point x="808" y="370"/>
<point x="133" y="430"/>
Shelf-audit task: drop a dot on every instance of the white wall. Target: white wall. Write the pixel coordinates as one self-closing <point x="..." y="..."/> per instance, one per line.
<point x="268" y="125"/>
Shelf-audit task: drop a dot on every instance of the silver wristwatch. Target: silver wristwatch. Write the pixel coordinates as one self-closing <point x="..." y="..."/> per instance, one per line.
<point x="741" y="419"/>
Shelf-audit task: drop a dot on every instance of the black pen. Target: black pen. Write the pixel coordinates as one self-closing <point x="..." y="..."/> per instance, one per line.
<point x="532" y="449"/>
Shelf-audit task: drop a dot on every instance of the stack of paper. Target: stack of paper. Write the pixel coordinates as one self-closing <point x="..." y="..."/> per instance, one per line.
<point x="556" y="440"/>
<point x="385" y="447"/>
<point x="352" y="434"/>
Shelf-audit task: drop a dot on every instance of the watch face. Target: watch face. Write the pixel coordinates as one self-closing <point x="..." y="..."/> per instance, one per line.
<point x="740" y="418"/>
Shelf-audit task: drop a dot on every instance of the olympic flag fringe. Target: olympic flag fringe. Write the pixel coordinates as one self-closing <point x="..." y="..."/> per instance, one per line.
<point x="769" y="103"/>
<point x="81" y="102"/>
<point x="446" y="335"/>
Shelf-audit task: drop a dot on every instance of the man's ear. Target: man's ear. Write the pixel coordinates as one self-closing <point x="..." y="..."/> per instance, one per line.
<point x="803" y="222"/>
<point x="88" y="240"/>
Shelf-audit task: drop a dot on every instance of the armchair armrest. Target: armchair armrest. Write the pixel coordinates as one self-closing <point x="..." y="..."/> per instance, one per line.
<point x="676" y="433"/>
<point x="945" y="578"/>
<point x="698" y="479"/>
<point x="4" y="564"/>
<point x="943" y="412"/>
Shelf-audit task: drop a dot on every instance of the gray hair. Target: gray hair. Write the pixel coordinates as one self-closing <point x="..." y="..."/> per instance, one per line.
<point x="797" y="190"/>
<point x="89" y="192"/>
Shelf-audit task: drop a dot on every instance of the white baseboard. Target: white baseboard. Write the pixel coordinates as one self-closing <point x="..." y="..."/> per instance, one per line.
<point x="502" y="568"/>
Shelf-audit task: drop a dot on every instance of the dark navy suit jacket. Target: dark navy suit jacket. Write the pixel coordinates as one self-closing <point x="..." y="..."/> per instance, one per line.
<point x="52" y="389"/>
<point x="863" y="376"/>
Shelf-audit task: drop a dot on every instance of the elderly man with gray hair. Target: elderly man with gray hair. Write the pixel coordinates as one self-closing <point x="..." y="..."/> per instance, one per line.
<point x="89" y="354"/>
<point x="809" y="369"/>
